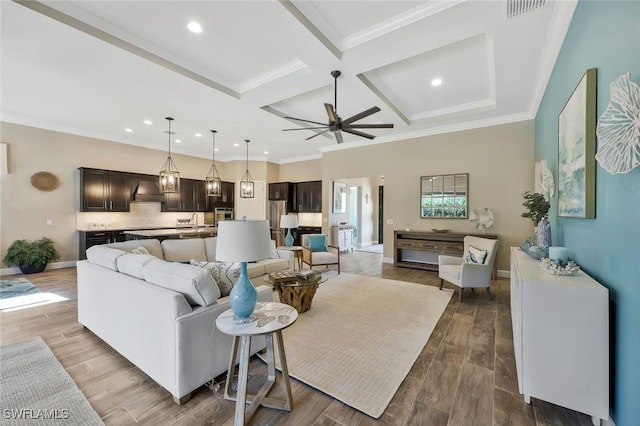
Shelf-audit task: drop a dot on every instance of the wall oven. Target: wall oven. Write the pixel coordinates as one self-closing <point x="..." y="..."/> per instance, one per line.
<point x="222" y="214"/>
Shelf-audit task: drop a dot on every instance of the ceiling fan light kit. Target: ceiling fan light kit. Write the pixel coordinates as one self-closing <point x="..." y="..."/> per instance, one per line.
<point x="336" y="124"/>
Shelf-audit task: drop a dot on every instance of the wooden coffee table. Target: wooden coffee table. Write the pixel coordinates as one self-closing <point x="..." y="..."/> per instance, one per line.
<point x="298" y="293"/>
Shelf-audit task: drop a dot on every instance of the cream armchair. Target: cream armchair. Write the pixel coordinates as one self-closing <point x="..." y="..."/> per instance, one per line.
<point x="458" y="271"/>
<point x="315" y="258"/>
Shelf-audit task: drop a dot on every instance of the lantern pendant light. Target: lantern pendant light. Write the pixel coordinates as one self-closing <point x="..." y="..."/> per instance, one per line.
<point x="213" y="182"/>
<point x="169" y="176"/>
<point x="246" y="183"/>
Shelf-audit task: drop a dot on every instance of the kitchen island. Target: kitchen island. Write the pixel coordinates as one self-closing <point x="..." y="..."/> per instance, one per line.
<point x="162" y="234"/>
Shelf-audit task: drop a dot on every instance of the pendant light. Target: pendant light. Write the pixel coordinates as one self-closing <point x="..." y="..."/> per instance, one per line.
<point x="213" y="182"/>
<point x="246" y="183"/>
<point x="169" y="176"/>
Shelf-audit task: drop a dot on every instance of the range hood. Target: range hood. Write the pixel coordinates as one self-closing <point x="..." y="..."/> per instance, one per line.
<point x="148" y="191"/>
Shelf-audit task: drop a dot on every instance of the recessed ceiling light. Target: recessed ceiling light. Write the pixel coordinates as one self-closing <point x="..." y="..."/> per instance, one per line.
<point x="198" y="135"/>
<point x="194" y="27"/>
<point x="236" y="144"/>
<point x="178" y="141"/>
<point x="128" y="130"/>
<point x="436" y="82"/>
<point x="216" y="149"/>
<point x="266" y="152"/>
<point x="147" y="122"/>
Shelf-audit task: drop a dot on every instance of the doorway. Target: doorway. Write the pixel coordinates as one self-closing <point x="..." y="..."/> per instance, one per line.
<point x="354" y="212"/>
<point x="380" y="213"/>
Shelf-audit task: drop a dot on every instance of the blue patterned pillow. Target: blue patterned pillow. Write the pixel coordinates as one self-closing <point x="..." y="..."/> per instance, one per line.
<point x="224" y="274"/>
<point x="317" y="242"/>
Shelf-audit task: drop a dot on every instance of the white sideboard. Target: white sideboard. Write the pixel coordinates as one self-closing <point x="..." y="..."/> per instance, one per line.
<point x="341" y="236"/>
<point x="561" y="337"/>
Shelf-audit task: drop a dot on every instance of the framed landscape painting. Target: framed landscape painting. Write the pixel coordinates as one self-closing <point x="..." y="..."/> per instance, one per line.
<point x="577" y="150"/>
<point x="339" y="197"/>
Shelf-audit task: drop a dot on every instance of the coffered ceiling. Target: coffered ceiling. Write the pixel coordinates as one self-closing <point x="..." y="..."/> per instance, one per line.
<point x="96" y="68"/>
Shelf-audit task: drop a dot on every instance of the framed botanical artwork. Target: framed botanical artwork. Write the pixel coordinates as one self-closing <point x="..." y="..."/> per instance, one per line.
<point x="577" y="150"/>
<point x="339" y="197"/>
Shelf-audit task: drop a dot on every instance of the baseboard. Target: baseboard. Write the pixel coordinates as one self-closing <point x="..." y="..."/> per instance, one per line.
<point x="387" y="260"/>
<point x="504" y="274"/>
<point x="55" y="265"/>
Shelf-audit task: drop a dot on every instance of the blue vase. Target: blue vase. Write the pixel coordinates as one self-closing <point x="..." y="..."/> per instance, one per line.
<point x="544" y="233"/>
<point x="243" y="297"/>
<point x="288" y="240"/>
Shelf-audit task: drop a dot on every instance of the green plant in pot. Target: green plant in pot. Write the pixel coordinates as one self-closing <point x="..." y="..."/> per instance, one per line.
<point x="537" y="210"/>
<point x="31" y="256"/>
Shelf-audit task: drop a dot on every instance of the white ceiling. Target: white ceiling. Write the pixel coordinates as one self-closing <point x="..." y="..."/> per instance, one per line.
<point x="94" y="68"/>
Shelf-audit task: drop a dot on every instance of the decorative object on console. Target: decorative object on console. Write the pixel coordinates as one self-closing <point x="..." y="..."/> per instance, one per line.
<point x="559" y="268"/>
<point x="481" y="219"/>
<point x="576" y="151"/>
<point x="243" y="241"/>
<point x="339" y="197"/>
<point x="288" y="221"/>
<point x="618" y="128"/>
<point x="547" y="183"/>
<point x="213" y="181"/>
<point x="436" y="230"/>
<point x="44" y="181"/>
<point x="543" y="233"/>
<point x="534" y="251"/>
<point x="169" y="176"/>
<point x="538" y="207"/>
<point x="246" y="183"/>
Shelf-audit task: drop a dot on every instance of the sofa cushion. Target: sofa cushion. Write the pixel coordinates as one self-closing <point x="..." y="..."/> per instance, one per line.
<point x="152" y="246"/>
<point x="324" y="258"/>
<point x="255" y="269"/>
<point x="274" y="265"/>
<point x="183" y="250"/>
<point x="133" y="264"/>
<point x="210" y="248"/>
<point x="224" y="274"/>
<point x="194" y="283"/>
<point x="104" y="256"/>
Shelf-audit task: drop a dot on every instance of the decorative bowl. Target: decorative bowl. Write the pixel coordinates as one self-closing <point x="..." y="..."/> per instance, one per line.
<point x="557" y="268"/>
<point x="439" y="230"/>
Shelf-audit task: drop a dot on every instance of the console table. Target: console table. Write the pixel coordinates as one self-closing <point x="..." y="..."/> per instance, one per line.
<point x="561" y="337"/>
<point x="420" y="249"/>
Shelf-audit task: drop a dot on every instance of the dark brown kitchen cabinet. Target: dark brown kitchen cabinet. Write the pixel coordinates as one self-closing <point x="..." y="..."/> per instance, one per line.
<point x="309" y="197"/>
<point x="226" y="199"/>
<point x="93" y="238"/>
<point x="279" y="191"/>
<point x="104" y="191"/>
<point x="191" y="198"/>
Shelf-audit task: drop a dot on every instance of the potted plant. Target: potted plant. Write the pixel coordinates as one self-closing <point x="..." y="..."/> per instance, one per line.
<point x="537" y="210"/>
<point x="31" y="256"/>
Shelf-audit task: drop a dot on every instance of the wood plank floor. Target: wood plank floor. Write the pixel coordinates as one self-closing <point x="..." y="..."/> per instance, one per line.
<point x="465" y="374"/>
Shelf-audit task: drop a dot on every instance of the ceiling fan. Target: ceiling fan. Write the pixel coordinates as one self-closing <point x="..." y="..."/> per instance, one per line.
<point x="336" y="124"/>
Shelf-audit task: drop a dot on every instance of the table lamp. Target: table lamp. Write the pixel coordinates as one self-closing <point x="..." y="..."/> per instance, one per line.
<point x="243" y="241"/>
<point x="288" y="221"/>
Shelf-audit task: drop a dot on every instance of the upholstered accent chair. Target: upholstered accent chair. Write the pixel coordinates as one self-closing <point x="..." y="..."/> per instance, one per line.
<point x="316" y="251"/>
<point x="472" y="270"/>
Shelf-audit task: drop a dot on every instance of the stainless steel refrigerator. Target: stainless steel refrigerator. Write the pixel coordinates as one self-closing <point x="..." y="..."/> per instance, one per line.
<point x="275" y="210"/>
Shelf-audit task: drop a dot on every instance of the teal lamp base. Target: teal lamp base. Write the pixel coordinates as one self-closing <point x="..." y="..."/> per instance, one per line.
<point x="243" y="297"/>
<point x="288" y="240"/>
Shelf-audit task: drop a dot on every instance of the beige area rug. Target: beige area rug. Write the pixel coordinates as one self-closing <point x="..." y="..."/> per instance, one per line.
<point x="361" y="337"/>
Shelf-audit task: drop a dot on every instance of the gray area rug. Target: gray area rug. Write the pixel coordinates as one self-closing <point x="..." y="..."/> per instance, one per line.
<point x="36" y="389"/>
<point x="361" y="337"/>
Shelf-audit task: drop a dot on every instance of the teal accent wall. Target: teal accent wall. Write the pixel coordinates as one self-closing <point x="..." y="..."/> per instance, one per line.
<point x="603" y="35"/>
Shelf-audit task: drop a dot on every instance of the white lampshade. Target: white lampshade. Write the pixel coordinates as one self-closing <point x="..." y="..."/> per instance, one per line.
<point x="243" y="241"/>
<point x="289" y="221"/>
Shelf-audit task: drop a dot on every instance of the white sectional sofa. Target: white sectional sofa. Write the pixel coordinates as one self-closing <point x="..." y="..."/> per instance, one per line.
<point x="160" y="314"/>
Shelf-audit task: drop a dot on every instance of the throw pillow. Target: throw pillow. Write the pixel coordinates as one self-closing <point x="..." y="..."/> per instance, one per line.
<point x="317" y="242"/>
<point x="224" y="274"/>
<point x="140" y="250"/>
<point x="475" y="255"/>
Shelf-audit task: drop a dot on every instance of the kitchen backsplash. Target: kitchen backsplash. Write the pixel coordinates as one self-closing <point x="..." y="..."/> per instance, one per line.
<point x="141" y="215"/>
<point x="310" y="219"/>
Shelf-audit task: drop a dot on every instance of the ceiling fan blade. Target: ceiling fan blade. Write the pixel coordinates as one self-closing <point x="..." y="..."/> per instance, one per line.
<point x="357" y="133"/>
<point x="338" y="136"/>
<point x="361" y="115"/>
<point x="368" y="126"/>
<point x="333" y="118"/>
<point x="307" y="121"/>
<point x="317" y="134"/>
<point x="305" y="128"/>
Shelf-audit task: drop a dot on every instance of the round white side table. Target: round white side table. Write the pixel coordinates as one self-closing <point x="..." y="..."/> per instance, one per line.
<point x="272" y="318"/>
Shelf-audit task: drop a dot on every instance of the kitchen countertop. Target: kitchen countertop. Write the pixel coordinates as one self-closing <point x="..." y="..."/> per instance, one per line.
<point x="150" y="233"/>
